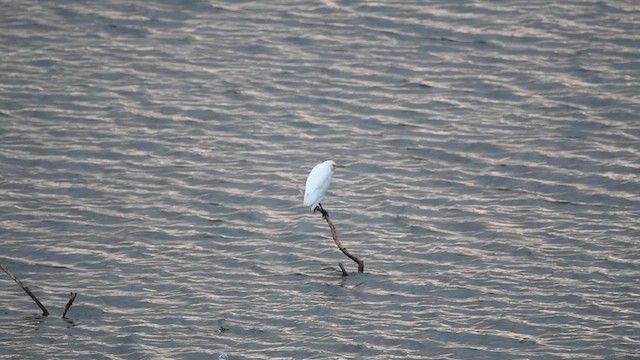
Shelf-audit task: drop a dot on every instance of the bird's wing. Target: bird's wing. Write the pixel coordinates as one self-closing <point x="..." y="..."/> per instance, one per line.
<point x="314" y="197"/>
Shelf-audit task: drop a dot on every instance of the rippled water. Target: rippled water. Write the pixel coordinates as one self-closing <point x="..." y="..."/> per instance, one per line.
<point x="152" y="155"/>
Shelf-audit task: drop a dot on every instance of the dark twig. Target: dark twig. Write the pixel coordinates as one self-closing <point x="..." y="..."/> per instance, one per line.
<point x="72" y="296"/>
<point x="344" y="271"/>
<point x="45" y="312"/>
<point x="334" y="234"/>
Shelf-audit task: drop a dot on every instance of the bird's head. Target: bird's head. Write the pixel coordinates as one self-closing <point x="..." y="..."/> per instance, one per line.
<point x="333" y="164"/>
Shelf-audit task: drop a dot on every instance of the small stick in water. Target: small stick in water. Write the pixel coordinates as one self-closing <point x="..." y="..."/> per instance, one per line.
<point x="344" y="271"/>
<point x="72" y="296"/>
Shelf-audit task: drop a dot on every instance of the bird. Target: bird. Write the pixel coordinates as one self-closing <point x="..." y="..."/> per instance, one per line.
<point x="318" y="183"/>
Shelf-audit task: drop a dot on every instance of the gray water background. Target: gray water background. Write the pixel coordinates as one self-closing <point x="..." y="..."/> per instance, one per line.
<point x="152" y="155"/>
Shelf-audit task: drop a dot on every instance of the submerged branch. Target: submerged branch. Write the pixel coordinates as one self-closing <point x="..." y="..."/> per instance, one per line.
<point x="45" y="312"/>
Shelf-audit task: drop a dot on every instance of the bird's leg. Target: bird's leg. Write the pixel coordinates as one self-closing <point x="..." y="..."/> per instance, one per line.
<point x="322" y="210"/>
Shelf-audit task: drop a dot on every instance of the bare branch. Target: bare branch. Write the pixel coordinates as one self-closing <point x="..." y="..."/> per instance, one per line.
<point x="334" y="234"/>
<point x="45" y="312"/>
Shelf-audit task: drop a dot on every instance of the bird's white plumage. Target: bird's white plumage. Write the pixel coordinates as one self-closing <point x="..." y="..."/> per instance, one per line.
<point x="318" y="183"/>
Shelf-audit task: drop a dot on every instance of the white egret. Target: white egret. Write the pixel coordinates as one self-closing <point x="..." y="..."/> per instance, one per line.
<point x="315" y="189"/>
<point x="318" y="183"/>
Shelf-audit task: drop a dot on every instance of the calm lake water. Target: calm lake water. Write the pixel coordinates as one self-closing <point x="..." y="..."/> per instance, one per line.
<point x="153" y="154"/>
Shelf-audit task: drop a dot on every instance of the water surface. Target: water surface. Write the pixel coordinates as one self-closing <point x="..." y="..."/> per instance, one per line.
<point x="153" y="154"/>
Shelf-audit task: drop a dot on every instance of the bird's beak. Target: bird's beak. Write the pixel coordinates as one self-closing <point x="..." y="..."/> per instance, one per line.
<point x="341" y="166"/>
